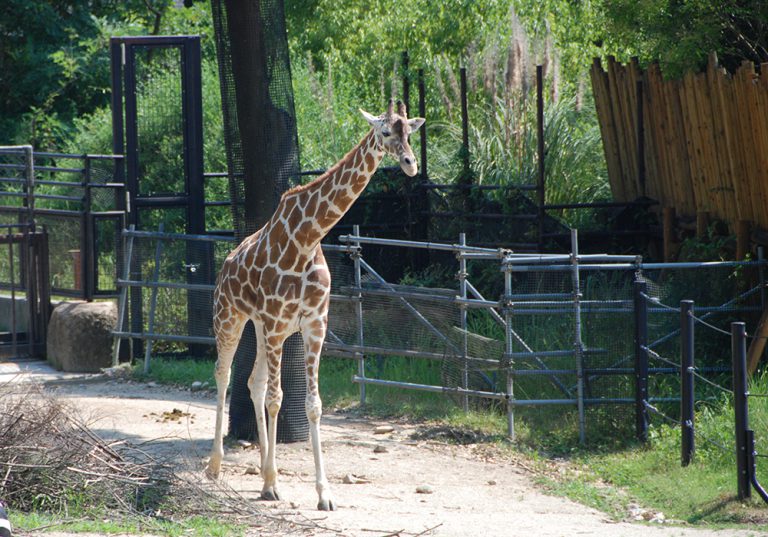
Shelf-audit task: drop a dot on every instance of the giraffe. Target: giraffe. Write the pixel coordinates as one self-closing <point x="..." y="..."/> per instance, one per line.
<point x="279" y="279"/>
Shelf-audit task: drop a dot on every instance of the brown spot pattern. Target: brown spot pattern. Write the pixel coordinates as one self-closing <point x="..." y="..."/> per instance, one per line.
<point x="254" y="282"/>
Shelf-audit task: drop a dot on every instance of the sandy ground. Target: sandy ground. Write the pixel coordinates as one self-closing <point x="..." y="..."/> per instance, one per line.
<point x="384" y="484"/>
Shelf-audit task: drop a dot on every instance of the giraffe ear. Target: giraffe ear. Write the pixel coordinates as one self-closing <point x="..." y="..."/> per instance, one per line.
<point x="415" y="123"/>
<point x="370" y="118"/>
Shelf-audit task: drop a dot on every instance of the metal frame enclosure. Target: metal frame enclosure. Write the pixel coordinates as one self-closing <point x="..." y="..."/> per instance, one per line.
<point x="125" y="126"/>
<point x="126" y="140"/>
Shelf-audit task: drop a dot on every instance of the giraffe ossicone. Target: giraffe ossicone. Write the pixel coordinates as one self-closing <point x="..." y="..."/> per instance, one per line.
<point x="279" y="279"/>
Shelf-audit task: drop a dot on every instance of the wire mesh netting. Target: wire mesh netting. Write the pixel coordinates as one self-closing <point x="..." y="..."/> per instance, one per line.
<point x="414" y="334"/>
<point x="720" y="296"/>
<point x="159" y="121"/>
<point x="554" y="336"/>
<point x="257" y="102"/>
<point x="262" y="158"/>
<point x="173" y="309"/>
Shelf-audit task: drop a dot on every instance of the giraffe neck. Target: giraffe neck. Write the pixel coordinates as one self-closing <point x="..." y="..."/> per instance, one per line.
<point x="310" y="211"/>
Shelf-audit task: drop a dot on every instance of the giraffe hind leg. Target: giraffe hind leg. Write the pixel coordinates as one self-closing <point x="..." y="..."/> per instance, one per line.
<point x="226" y="345"/>
<point x="314" y="335"/>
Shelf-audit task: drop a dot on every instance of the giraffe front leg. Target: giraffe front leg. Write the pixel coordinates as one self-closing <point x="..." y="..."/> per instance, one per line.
<point x="222" y="373"/>
<point x="314" y="335"/>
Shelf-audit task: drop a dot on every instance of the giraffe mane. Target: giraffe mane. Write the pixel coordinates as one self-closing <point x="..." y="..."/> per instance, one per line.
<point x="328" y="173"/>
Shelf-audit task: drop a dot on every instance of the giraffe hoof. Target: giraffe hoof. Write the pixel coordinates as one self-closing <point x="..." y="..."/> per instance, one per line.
<point x="270" y="495"/>
<point x="326" y="505"/>
<point x="212" y="471"/>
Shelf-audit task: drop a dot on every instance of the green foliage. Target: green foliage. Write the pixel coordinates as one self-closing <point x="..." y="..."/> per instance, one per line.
<point x="367" y="39"/>
<point x="53" y="62"/>
<point x="680" y="35"/>
<point x="715" y="245"/>
<point x="652" y="474"/>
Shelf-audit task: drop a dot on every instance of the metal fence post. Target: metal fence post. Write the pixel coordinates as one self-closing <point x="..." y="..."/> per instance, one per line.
<point x="123" y="300"/>
<point x="508" y="347"/>
<point x="29" y="185"/>
<point x="578" y="345"/>
<point x="87" y="241"/>
<point x="687" y="441"/>
<point x="359" y="310"/>
<point x="641" y="359"/>
<point x="540" y="155"/>
<point x="741" y="409"/>
<point x="463" y="312"/>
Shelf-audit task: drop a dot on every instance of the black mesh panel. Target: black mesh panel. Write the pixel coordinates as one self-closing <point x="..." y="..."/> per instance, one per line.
<point x="262" y="157"/>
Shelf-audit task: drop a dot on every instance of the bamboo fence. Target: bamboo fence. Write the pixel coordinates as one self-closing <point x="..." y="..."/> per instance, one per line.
<point x="705" y="139"/>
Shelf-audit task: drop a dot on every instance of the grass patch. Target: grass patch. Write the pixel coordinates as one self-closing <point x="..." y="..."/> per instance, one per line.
<point x="176" y="371"/>
<point x="196" y="526"/>
<point x="652" y="476"/>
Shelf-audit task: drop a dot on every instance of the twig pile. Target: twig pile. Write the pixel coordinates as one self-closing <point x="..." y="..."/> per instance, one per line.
<point x="50" y="460"/>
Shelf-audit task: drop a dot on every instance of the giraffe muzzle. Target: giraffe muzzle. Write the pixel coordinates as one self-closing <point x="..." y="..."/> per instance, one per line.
<point x="409" y="165"/>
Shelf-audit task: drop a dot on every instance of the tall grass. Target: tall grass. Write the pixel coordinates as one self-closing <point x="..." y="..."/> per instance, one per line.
<point x="503" y="126"/>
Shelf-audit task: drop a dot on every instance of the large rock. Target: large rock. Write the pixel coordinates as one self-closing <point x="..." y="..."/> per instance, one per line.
<point x="80" y="336"/>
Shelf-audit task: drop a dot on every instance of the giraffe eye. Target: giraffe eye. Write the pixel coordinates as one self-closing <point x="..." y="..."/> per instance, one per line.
<point x="386" y="133"/>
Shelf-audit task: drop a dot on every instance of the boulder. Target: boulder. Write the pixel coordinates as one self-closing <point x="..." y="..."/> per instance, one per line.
<point x="80" y="336"/>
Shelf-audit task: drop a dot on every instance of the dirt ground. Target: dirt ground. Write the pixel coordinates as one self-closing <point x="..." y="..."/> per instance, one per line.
<point x="386" y="484"/>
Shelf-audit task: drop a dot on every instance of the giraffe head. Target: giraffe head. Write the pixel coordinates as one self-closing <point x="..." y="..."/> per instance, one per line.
<point x="392" y="130"/>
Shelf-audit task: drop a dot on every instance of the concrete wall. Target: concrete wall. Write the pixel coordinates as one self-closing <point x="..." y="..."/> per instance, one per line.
<point x="6" y="313"/>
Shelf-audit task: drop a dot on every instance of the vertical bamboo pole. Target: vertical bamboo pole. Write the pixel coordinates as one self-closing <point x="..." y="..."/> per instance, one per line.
<point x="661" y="183"/>
<point x="608" y="128"/>
<point x="743" y="230"/>
<point x="617" y="104"/>
<point x="702" y="224"/>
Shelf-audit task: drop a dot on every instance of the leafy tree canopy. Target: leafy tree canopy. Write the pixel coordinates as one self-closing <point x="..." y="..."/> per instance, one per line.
<point x="680" y="34"/>
<point x="53" y="60"/>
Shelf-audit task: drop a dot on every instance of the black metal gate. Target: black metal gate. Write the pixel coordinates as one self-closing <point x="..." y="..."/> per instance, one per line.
<point x="25" y="299"/>
<point x="156" y="83"/>
<point x="158" y="126"/>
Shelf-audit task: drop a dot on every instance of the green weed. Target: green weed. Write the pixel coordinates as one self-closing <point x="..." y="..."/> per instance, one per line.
<point x="176" y="372"/>
<point x="196" y="526"/>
